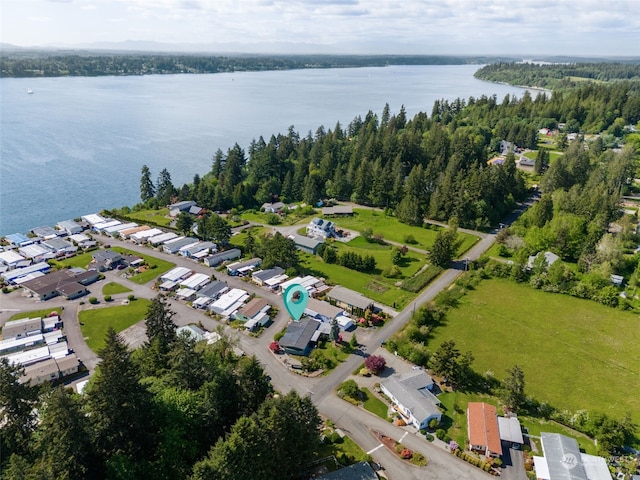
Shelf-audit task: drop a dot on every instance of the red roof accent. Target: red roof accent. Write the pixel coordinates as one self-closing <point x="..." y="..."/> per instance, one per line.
<point x="483" y="426"/>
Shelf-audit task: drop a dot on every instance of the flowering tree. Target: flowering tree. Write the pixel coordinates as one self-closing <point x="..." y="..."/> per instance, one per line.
<point x="375" y="363"/>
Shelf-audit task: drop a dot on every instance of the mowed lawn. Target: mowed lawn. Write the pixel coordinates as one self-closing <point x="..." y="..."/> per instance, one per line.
<point x="95" y="322"/>
<point x="576" y="354"/>
<point x="392" y="229"/>
<point x="374" y="287"/>
<point x="157" y="266"/>
<point x="159" y="217"/>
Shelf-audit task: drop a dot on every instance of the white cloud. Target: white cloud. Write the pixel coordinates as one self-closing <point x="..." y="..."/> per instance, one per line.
<point x="365" y="26"/>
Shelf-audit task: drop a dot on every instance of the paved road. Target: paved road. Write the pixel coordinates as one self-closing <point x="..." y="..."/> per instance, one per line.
<point x="356" y="422"/>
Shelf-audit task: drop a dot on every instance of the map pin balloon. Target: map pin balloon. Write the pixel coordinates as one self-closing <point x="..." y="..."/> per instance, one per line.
<point x="295" y="300"/>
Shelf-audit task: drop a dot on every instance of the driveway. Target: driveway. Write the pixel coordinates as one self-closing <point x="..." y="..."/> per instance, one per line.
<point x="512" y="464"/>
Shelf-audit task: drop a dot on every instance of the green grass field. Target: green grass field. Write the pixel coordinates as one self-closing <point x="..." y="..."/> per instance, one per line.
<point x="36" y="313"/>
<point x="98" y="320"/>
<point x="161" y="266"/>
<point x="113" y="288"/>
<point x="576" y="354"/>
<point x="392" y="229"/>
<point x="374" y="405"/>
<point x="159" y="217"/>
<point x="79" y="261"/>
<point x="374" y="287"/>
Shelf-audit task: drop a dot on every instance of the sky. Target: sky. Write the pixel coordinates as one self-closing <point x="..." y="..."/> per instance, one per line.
<point x="430" y="27"/>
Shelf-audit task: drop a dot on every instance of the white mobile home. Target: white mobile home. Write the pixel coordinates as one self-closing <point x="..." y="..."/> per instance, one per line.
<point x="196" y="281"/>
<point x="228" y="300"/>
<point x="176" y="274"/>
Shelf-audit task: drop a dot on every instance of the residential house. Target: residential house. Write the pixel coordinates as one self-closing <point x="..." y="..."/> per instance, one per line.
<point x="60" y="246"/>
<point x="213" y="290"/>
<point x="45" y="233"/>
<point x="297" y="340"/>
<point x="242" y="268"/>
<point x="70" y="227"/>
<point x="229" y="302"/>
<point x="36" y="252"/>
<point x="321" y="228"/>
<point x="22" y="327"/>
<point x="143" y="235"/>
<point x="162" y="238"/>
<point x="275" y="207"/>
<point x="176" y="208"/>
<point x="103" y="260"/>
<point x="549" y="257"/>
<point x="176" y="274"/>
<point x="125" y="234"/>
<point x="62" y="282"/>
<point x="351" y="301"/>
<point x="343" y="210"/>
<point x="306" y="244"/>
<point x="93" y="219"/>
<point x="482" y="429"/>
<point x="172" y="246"/>
<point x="19" y="239"/>
<point x="12" y="259"/>
<point x="526" y="162"/>
<point x="563" y="460"/>
<point x="412" y="397"/>
<point x="193" y="249"/>
<point x="261" y="276"/>
<point x="82" y="240"/>
<point x="19" y="275"/>
<point x="322" y="311"/>
<point x="192" y="331"/>
<point x="254" y="313"/>
<point x="196" y="281"/>
<point x="217" y="258"/>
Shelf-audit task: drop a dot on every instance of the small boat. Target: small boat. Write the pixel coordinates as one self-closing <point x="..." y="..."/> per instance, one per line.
<point x="29" y="91"/>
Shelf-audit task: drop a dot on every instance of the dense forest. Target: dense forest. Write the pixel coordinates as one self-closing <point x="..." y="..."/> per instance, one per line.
<point x="40" y="64"/>
<point x="558" y="75"/>
<point x="429" y="166"/>
<point x="171" y="409"/>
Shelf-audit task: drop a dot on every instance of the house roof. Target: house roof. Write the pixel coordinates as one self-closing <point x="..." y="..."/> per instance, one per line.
<point x="213" y="289"/>
<point x="52" y="281"/>
<point x="323" y="308"/>
<point x="338" y="210"/>
<point x="252" y="308"/>
<point x="307" y="242"/>
<point x="298" y="334"/>
<point x="510" y="429"/>
<point x="263" y="275"/>
<point x="247" y="263"/>
<point x="483" y="426"/>
<point x="563" y="457"/>
<point x="350" y="297"/>
<point x="44" y="232"/>
<point x="102" y="255"/>
<point x="70" y="288"/>
<point x="13" y="328"/>
<point x="419" y="401"/>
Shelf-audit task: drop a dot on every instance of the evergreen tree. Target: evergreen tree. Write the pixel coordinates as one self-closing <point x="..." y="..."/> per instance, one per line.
<point x="147" y="189"/>
<point x="164" y="189"/>
<point x="254" y="384"/>
<point x="513" y="394"/>
<point x="444" y="248"/>
<point x="542" y="161"/>
<point x="119" y="406"/>
<point x="17" y="415"/>
<point x="160" y="324"/>
<point x="63" y="446"/>
<point x="184" y="222"/>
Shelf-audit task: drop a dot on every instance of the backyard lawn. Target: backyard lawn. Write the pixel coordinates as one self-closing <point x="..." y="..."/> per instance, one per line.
<point x="78" y="261"/>
<point x="36" y="313"/>
<point x="95" y="322"/>
<point x="157" y="266"/>
<point x="575" y="354"/>
<point x="374" y="404"/>
<point x="159" y="217"/>
<point x="392" y="229"/>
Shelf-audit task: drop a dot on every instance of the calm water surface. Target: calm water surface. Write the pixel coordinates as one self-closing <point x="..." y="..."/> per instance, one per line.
<point x="76" y="145"/>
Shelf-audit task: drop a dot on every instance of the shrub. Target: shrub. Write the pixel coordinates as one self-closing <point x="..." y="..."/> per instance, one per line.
<point x="399" y="448"/>
<point x="497" y="462"/>
<point x="350" y="389"/>
<point x="440" y="433"/>
<point x="93" y="300"/>
<point x="433" y="423"/>
<point x="410" y="239"/>
<point x="429" y="437"/>
<point x="5" y="290"/>
<point x="131" y="297"/>
<point x="418" y="459"/>
<point x="107" y="298"/>
<point x="406" y="453"/>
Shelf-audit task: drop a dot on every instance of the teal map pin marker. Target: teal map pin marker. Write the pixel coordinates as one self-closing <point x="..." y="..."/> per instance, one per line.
<point x="295" y="299"/>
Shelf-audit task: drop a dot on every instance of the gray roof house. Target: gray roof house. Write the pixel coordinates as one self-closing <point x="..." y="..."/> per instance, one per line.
<point x="105" y="259"/>
<point x="563" y="460"/>
<point x="213" y="290"/>
<point x="358" y="471"/>
<point x="297" y="339"/>
<point x="176" y="208"/>
<point x="549" y="257"/>
<point x="218" y="258"/>
<point x="306" y="244"/>
<point x="263" y="275"/>
<point x="412" y="397"/>
<point x="350" y="300"/>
